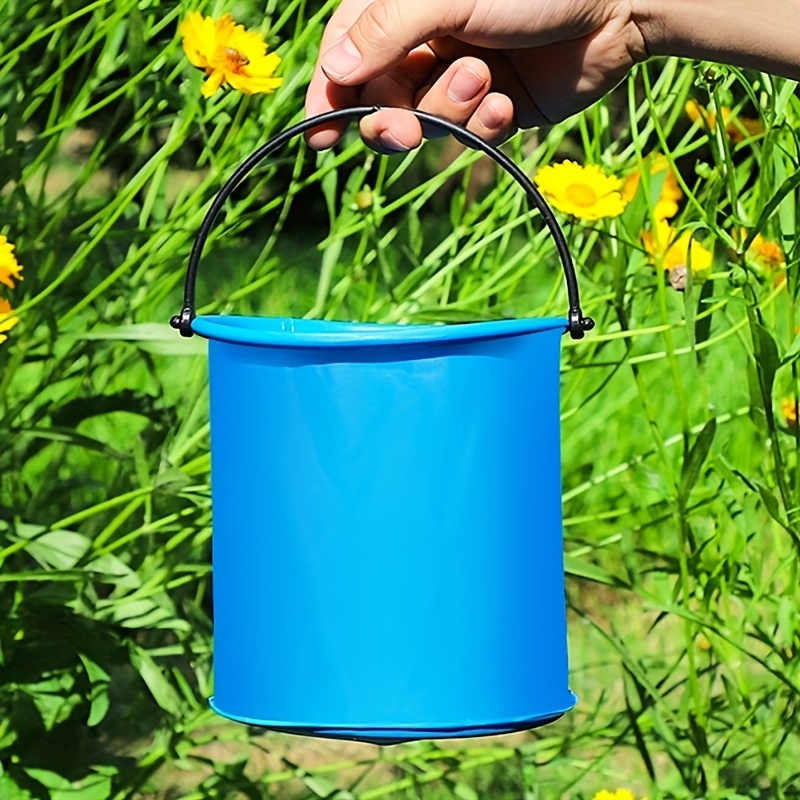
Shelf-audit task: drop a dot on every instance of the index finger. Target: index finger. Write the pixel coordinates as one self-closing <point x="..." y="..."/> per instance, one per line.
<point x="323" y="94"/>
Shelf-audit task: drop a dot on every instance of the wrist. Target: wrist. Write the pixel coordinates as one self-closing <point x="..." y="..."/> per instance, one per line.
<point x="740" y="32"/>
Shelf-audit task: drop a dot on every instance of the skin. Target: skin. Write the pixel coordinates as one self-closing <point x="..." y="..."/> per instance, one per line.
<point x="495" y="65"/>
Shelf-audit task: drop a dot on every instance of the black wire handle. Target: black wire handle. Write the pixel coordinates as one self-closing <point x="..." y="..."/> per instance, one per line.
<point x="577" y="323"/>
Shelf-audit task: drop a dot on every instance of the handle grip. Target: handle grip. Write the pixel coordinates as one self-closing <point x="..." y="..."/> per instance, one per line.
<point x="577" y="324"/>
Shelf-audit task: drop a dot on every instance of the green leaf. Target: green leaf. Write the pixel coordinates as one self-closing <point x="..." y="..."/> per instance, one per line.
<point x="754" y="393"/>
<point x="793" y="353"/>
<point x="10" y="790"/>
<point x="788" y="186"/>
<point x="54" y="433"/>
<point x="98" y="697"/>
<point x="767" y="358"/>
<point x="772" y="504"/>
<point x="136" y="38"/>
<point x="75" y="411"/>
<point x="787" y="621"/>
<point x="92" y="787"/>
<point x="696" y="458"/>
<point x="463" y="791"/>
<point x="59" y="549"/>
<point x="702" y="327"/>
<point x="162" y="690"/>
<point x="151" y="337"/>
<point x="111" y="568"/>
<point x="579" y="568"/>
<point x="54" y="708"/>
<point x="318" y="785"/>
<point x="47" y="576"/>
<point x="329" y="185"/>
<point x="415" y="233"/>
<point x="171" y="481"/>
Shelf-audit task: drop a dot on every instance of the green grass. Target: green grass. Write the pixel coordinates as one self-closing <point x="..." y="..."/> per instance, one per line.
<point x="681" y="480"/>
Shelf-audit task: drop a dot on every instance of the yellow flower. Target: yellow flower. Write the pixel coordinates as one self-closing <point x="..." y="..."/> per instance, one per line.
<point x="620" y="794"/>
<point x="701" y="640"/>
<point x="671" y="194"/>
<point x="672" y="250"/>
<point x="737" y="128"/>
<point x="229" y="54"/>
<point x="585" y="192"/>
<point x="7" y="318"/>
<point x="9" y="268"/>
<point x="789" y="412"/>
<point x="768" y="254"/>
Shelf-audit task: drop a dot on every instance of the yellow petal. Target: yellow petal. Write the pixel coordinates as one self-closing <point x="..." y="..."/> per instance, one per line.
<point x="700" y="257"/>
<point x="686" y="251"/>
<point x="212" y="83"/>
<point x="10" y="268"/>
<point x="789" y="411"/>
<point x="656" y="241"/>
<point x="7" y="318"/>
<point x="665" y="209"/>
<point x="229" y="54"/>
<point x="199" y="39"/>
<point x="630" y="186"/>
<point x="585" y="192"/>
<point x="741" y="128"/>
<point x="224" y="28"/>
<point x="254" y="85"/>
<point x="698" y="114"/>
<point x="264" y="66"/>
<point x="249" y="43"/>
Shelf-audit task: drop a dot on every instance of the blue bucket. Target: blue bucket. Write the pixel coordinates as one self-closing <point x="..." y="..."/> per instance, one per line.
<point x="387" y="535"/>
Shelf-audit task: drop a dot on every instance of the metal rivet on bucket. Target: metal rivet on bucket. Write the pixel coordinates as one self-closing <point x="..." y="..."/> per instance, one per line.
<point x="387" y="543"/>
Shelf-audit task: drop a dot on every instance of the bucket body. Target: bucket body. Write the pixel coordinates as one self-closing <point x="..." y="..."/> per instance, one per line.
<point x="387" y="536"/>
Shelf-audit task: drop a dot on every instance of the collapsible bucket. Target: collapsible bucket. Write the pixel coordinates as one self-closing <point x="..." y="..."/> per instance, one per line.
<point x="387" y="544"/>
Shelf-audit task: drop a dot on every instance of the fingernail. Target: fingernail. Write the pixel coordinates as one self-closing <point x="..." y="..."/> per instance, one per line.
<point x="489" y="117"/>
<point x="389" y="143"/>
<point x="465" y="86"/>
<point x="341" y="59"/>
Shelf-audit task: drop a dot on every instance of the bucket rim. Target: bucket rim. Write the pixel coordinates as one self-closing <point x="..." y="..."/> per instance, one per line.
<point x="317" y="333"/>
<point x="468" y="727"/>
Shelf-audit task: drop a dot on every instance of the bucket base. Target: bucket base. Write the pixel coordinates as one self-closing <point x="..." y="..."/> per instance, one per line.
<point x="402" y="733"/>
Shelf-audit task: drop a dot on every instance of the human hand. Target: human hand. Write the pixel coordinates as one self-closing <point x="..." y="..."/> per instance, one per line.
<point x="490" y="65"/>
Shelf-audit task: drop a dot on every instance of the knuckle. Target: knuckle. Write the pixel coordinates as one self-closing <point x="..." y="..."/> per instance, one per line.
<point x="381" y="25"/>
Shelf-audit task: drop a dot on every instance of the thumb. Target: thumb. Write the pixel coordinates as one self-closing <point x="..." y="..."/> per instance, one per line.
<point x="386" y="32"/>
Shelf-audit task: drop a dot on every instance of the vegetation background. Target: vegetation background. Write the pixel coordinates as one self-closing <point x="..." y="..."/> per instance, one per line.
<point x="680" y="441"/>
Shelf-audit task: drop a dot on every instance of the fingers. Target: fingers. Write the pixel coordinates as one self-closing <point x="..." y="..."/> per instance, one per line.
<point x="383" y="35"/>
<point x="550" y="65"/>
<point x="392" y="65"/>
<point x="460" y="92"/>
<point x="455" y="94"/>
<point x="494" y="119"/>
<point x="393" y="130"/>
<point x="323" y="94"/>
<point x="507" y="78"/>
<point x="462" y="95"/>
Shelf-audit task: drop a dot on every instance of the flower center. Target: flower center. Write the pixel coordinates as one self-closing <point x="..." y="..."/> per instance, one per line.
<point x="581" y="195"/>
<point x="770" y="251"/>
<point x="231" y="59"/>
